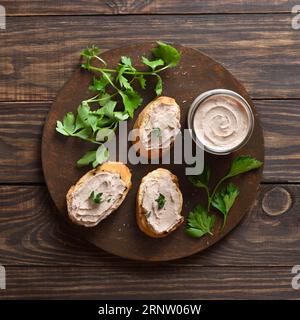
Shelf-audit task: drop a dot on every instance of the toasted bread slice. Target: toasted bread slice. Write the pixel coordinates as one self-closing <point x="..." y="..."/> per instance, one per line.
<point x="98" y="193"/>
<point x="159" y="204"/>
<point x="157" y="127"/>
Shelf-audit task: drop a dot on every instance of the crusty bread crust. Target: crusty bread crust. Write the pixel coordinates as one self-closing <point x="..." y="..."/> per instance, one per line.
<point x="140" y="214"/>
<point x="143" y="118"/>
<point x="113" y="167"/>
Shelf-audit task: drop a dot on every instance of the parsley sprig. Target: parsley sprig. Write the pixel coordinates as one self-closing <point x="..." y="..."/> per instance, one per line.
<point x="96" y="198"/>
<point x="97" y="125"/>
<point x="200" y="222"/>
<point x="222" y="199"/>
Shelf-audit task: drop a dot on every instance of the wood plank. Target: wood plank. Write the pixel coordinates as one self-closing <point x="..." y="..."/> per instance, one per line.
<point x="38" y="54"/>
<point x="160" y="282"/>
<point x="31" y="234"/>
<point x="21" y="129"/>
<point x="20" y="141"/>
<point x="107" y="7"/>
<point x="280" y="121"/>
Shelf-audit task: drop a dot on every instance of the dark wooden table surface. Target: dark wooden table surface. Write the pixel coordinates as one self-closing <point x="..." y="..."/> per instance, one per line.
<point x="39" y="50"/>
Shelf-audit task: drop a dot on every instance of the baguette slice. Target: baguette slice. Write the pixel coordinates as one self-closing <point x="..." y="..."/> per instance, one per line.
<point x="112" y="180"/>
<point x="157" y="127"/>
<point x="152" y="219"/>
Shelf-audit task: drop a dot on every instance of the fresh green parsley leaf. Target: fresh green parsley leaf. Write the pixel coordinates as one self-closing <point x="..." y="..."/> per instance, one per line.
<point x="224" y="199"/>
<point x="86" y="65"/>
<point x="67" y="127"/>
<point x="132" y="100"/>
<point x="93" y="122"/>
<point x="87" y="159"/>
<point x="95" y="164"/>
<point x="126" y="61"/>
<point x="96" y="198"/>
<point x="101" y="83"/>
<point x="68" y="122"/>
<point x="83" y="112"/>
<point x="167" y="53"/>
<point x="201" y="180"/>
<point x="243" y="164"/>
<point x="105" y="134"/>
<point x="199" y="222"/>
<point x="105" y="122"/>
<point x="108" y="108"/>
<point x="90" y="52"/>
<point x="87" y="118"/>
<point x="124" y="83"/>
<point x="120" y="116"/>
<point x="102" y="154"/>
<point x="152" y="64"/>
<point x="142" y="81"/>
<point x="159" y="84"/>
<point x="60" y="128"/>
<point x="124" y="66"/>
<point x="103" y="99"/>
<point x="161" y="200"/>
<point x="120" y="70"/>
<point x="83" y="134"/>
<point x="79" y="124"/>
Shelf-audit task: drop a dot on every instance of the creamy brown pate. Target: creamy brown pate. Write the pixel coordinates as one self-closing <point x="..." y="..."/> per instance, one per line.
<point x="109" y="185"/>
<point x="161" y="127"/>
<point x="165" y="218"/>
<point x="221" y="122"/>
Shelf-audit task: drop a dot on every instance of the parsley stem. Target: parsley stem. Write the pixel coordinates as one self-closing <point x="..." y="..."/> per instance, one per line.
<point x="104" y="98"/>
<point x="152" y="73"/>
<point x="104" y="62"/>
<point x="111" y="82"/>
<point x="224" y="222"/>
<point x="87" y="139"/>
<point x="163" y="68"/>
<point x="94" y="99"/>
<point x="108" y="79"/>
<point x="91" y="99"/>
<point x="104" y="69"/>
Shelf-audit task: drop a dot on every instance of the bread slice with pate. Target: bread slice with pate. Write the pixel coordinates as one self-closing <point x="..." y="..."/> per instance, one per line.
<point x="98" y="193"/>
<point x="157" y="127"/>
<point x="159" y="204"/>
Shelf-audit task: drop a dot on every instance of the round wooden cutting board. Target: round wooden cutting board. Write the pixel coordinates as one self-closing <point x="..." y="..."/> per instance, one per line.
<point x="119" y="233"/>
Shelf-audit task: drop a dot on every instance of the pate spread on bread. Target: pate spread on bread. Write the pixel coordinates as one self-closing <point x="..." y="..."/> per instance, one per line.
<point x="158" y="125"/>
<point x="98" y="193"/>
<point x="159" y="203"/>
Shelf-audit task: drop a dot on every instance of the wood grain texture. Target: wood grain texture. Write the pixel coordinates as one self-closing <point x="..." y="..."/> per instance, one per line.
<point x="161" y="282"/>
<point x="38" y="54"/>
<point x="21" y="128"/>
<point x="80" y="7"/>
<point x="30" y="234"/>
<point x="20" y="141"/>
<point x="280" y="121"/>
